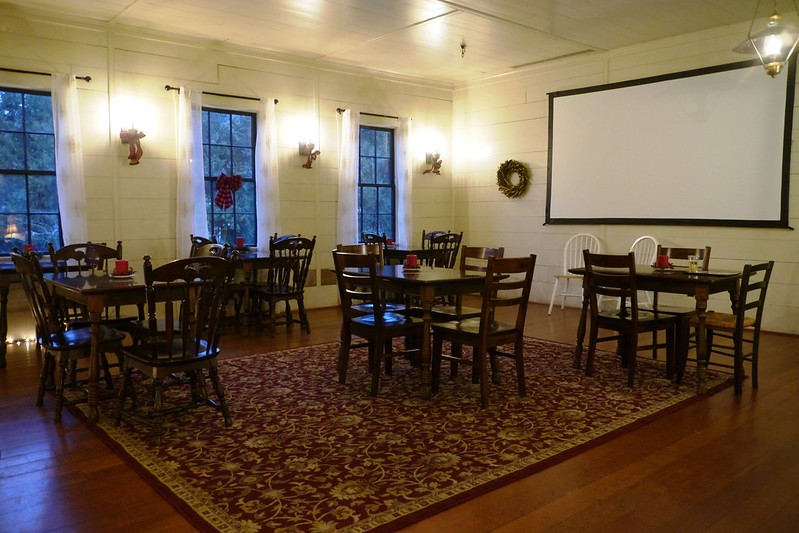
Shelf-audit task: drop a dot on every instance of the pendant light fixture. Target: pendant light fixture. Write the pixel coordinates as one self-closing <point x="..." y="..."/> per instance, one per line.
<point x="774" y="45"/>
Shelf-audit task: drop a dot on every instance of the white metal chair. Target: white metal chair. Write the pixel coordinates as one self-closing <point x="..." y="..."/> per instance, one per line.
<point x="573" y="258"/>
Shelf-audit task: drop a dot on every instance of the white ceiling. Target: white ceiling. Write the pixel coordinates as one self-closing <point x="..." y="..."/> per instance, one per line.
<point x="417" y="38"/>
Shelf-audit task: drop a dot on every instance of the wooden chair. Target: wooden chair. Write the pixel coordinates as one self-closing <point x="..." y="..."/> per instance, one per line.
<point x="573" y="258"/>
<point x="210" y="249"/>
<point x="186" y="301"/>
<point x="613" y="276"/>
<point x="197" y="241"/>
<point x="737" y="335"/>
<point x="428" y="236"/>
<point x="81" y="258"/>
<point x="446" y="245"/>
<point x="274" y="239"/>
<point x="374" y="238"/>
<point x="359" y="290"/>
<point x="286" y="276"/>
<point x="62" y="347"/>
<point x="472" y="259"/>
<point x="507" y="284"/>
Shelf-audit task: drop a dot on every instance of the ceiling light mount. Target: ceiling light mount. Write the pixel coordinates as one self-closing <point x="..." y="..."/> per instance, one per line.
<point x="774" y="45"/>
<point x="463" y="48"/>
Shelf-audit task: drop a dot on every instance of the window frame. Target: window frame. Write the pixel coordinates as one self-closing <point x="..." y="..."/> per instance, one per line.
<point x="27" y="173"/>
<point x="391" y="186"/>
<point x="213" y="212"/>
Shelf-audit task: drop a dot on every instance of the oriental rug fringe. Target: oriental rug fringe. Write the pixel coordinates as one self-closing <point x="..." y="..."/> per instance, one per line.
<point x="308" y="454"/>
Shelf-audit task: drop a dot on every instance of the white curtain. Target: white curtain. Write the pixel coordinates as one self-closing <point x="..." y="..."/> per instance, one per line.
<point x="267" y="190"/>
<point x="404" y="172"/>
<point x="347" y="219"/>
<point x="192" y="218"/>
<point x="71" y="182"/>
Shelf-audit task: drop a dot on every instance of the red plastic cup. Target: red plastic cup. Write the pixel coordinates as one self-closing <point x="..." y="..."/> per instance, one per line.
<point x="411" y="261"/>
<point x="121" y="267"/>
<point x="239" y="242"/>
<point x="663" y="261"/>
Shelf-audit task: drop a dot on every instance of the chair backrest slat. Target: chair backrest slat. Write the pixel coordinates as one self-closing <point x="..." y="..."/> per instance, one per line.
<point x="508" y="283"/>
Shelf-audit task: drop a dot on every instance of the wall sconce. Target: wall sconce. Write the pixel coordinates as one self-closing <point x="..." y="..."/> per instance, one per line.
<point x="434" y="160"/>
<point x="307" y="150"/>
<point x="132" y="138"/>
<point x="774" y="45"/>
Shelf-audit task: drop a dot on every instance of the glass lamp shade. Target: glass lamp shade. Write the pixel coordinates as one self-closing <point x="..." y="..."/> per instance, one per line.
<point x="773" y="46"/>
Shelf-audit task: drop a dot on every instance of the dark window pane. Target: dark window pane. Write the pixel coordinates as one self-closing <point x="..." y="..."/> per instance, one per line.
<point x="385" y="203"/>
<point x="242" y="162"/>
<point x="367" y="141"/>
<point x="384" y="172"/>
<point x="383" y="142"/>
<point x="220" y="128"/>
<point x="242" y="130"/>
<point x="41" y="152"/>
<point x="10" y="111"/>
<point x="43" y="194"/>
<point x="12" y="151"/>
<point x="220" y="160"/>
<point x="369" y="200"/>
<point x="39" y="113"/>
<point x="44" y="228"/>
<point x="13" y="195"/>
<point x="367" y="170"/>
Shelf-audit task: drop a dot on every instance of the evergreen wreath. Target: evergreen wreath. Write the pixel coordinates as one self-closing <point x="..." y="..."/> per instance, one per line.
<point x="504" y="173"/>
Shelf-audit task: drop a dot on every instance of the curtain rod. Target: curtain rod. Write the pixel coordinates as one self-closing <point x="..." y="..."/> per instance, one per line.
<point x="252" y="98"/>
<point x="340" y="110"/>
<point x="18" y="71"/>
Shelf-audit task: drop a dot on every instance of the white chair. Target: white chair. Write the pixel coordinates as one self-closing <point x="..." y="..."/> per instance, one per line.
<point x="645" y="249"/>
<point x="573" y="258"/>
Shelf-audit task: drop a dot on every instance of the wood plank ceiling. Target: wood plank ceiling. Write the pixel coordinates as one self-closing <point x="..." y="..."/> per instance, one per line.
<point x="415" y="38"/>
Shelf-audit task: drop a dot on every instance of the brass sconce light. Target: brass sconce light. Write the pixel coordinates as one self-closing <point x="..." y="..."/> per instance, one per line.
<point x="774" y="45"/>
<point x="307" y="150"/>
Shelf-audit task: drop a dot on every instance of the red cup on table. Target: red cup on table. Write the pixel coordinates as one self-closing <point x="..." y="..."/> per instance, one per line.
<point x="121" y="267"/>
<point x="239" y="242"/>
<point x="411" y="261"/>
<point x="663" y="261"/>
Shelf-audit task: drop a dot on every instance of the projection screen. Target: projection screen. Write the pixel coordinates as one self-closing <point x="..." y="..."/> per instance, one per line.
<point x="704" y="147"/>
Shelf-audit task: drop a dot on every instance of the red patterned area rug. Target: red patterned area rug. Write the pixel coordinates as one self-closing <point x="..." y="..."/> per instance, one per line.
<point x="308" y="454"/>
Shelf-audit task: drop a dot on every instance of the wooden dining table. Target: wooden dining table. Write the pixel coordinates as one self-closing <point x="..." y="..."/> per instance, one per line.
<point x="97" y="291"/>
<point x="426" y="283"/>
<point x="700" y="285"/>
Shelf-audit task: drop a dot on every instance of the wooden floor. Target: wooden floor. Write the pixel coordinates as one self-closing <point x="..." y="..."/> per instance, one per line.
<point x="723" y="464"/>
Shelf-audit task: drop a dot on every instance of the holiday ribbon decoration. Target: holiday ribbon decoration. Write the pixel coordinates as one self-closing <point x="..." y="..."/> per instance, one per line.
<point x="132" y="138"/>
<point x="226" y="185"/>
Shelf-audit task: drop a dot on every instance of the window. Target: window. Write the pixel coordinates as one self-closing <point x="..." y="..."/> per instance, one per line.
<point x="376" y="185"/>
<point x="229" y="149"/>
<point x="28" y="192"/>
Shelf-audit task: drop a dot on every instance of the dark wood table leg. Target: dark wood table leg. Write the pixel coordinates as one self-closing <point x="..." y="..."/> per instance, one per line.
<point x="578" y="347"/>
<point x="3" y="323"/>
<point x="95" y="306"/>
<point x="701" y="340"/>
<point x="427" y="297"/>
